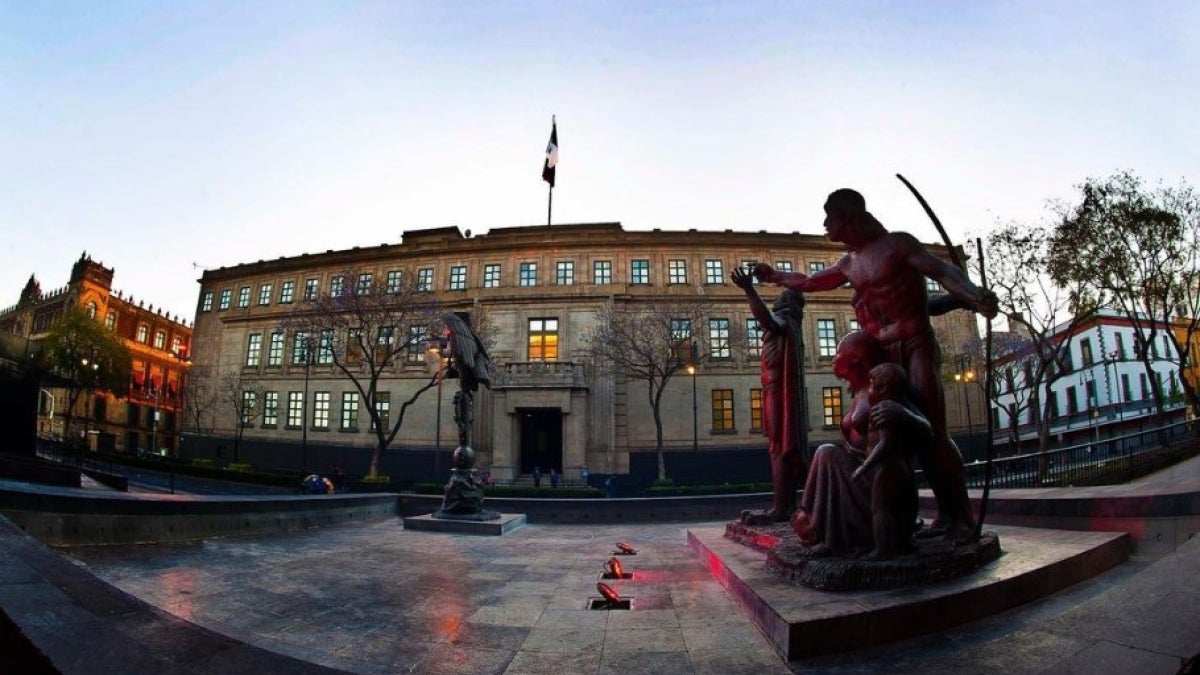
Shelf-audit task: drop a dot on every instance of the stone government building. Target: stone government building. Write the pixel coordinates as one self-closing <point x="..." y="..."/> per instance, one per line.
<point x="541" y="289"/>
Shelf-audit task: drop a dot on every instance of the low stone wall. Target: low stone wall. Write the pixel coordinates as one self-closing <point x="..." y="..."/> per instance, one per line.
<point x="607" y="511"/>
<point x="60" y="519"/>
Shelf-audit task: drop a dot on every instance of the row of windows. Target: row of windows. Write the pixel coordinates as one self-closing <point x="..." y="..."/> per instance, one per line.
<point x="142" y="334"/>
<point x="542" y="343"/>
<point x="527" y="276"/>
<point x="722" y="407"/>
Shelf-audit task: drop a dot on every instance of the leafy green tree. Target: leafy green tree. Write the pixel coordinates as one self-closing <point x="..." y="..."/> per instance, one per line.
<point x="1136" y="248"/>
<point x="88" y="357"/>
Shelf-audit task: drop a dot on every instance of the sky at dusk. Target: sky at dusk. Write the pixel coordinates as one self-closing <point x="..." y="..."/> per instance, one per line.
<point x="168" y="137"/>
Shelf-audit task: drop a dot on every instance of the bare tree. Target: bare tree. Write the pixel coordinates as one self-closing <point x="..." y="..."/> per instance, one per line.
<point x="648" y="341"/>
<point x="365" y="329"/>
<point x="243" y="397"/>
<point x="1020" y="257"/>
<point x="200" y="400"/>
<point x="1136" y="248"/>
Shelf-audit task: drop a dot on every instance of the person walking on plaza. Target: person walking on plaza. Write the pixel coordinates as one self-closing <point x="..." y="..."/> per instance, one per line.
<point x="537" y="477"/>
<point x="553" y="477"/>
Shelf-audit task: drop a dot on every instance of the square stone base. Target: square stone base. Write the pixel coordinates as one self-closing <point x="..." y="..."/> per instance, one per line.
<point x="507" y="522"/>
<point x="802" y="622"/>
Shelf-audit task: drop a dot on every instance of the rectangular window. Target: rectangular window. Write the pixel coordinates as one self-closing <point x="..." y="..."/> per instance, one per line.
<point x="320" y="414"/>
<point x="748" y="267"/>
<point x="264" y="294"/>
<point x="275" y="350"/>
<point x="677" y="272"/>
<point x="254" y="349"/>
<point x="754" y="338"/>
<point x="1085" y="351"/>
<point x="243" y="297"/>
<point x="1126" y="389"/>
<point x="295" y="409"/>
<point x="528" y="274"/>
<point x="143" y="333"/>
<point x="564" y="273"/>
<point x="392" y="283"/>
<point x="722" y="410"/>
<point x="354" y="346"/>
<point x="932" y="285"/>
<point x="639" y="272"/>
<point x="831" y="406"/>
<point x="1072" y="403"/>
<point x="815" y="266"/>
<point x="714" y="272"/>
<point x="826" y="337"/>
<point x="249" y="404"/>
<point x="300" y="349"/>
<point x="383" y="406"/>
<point x="226" y="296"/>
<point x="160" y="340"/>
<point x="491" y="275"/>
<point x="287" y="292"/>
<point x="783" y="266"/>
<point x="756" y="419"/>
<point x="325" y="347"/>
<point x="681" y="329"/>
<point x="337" y="286"/>
<point x="1089" y="391"/>
<point x="206" y="302"/>
<point x="458" y="278"/>
<point x="418" y="338"/>
<point x="365" y="281"/>
<point x="270" y="408"/>
<point x="1144" y="384"/>
<point x="718" y="338"/>
<point x="310" y="289"/>
<point x="425" y="279"/>
<point x="543" y="339"/>
<point x="1119" y="354"/>
<point x="853" y="324"/>
<point x="602" y="272"/>
<point x="1052" y="402"/>
<point x="350" y="411"/>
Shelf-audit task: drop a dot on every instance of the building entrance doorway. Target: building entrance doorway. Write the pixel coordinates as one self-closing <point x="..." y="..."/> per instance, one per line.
<point x="541" y="439"/>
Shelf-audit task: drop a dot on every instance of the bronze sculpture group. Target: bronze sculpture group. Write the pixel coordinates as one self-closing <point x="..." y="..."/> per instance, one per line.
<point x="860" y="495"/>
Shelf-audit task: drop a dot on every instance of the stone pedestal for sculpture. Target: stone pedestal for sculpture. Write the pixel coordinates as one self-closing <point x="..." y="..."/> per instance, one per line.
<point x="464" y="493"/>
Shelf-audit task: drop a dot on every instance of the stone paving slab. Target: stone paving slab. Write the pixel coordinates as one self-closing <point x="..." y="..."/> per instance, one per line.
<point x="802" y="622"/>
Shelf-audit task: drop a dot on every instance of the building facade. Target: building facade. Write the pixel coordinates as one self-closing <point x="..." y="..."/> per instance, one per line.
<point x="542" y="290"/>
<point x="1102" y="390"/>
<point x="149" y="417"/>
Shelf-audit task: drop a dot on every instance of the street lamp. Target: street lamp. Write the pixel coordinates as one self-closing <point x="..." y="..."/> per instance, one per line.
<point x="691" y="368"/>
<point x="966" y="376"/>
<point x="438" y="351"/>
<point x="93" y="366"/>
<point x="308" y="361"/>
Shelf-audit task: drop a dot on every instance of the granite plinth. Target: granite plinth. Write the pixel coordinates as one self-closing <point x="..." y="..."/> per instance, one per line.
<point x="802" y="622"/>
<point x="507" y="522"/>
<point x="931" y="560"/>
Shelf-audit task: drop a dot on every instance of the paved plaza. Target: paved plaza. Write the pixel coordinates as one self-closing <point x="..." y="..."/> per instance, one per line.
<point x="376" y="598"/>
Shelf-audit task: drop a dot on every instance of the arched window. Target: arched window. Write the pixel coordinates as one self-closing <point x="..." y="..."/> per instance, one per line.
<point x="91" y="310"/>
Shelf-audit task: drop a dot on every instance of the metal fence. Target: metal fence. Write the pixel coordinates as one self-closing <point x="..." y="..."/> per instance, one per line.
<point x="1100" y="462"/>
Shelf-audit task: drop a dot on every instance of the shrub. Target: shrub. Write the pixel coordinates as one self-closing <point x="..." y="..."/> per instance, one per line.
<point x="202" y="463"/>
<point x="378" y="478"/>
<point x="239" y="467"/>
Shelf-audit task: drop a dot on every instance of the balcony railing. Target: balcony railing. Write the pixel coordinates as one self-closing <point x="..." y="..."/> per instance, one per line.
<point x="541" y="374"/>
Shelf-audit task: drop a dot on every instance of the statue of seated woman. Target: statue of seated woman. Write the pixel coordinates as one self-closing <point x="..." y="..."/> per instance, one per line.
<point x="834" y="513"/>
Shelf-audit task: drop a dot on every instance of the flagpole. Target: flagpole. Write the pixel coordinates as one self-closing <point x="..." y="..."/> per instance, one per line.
<point x="549" y="205"/>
